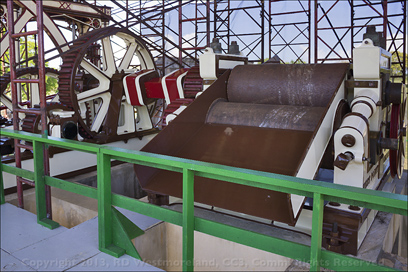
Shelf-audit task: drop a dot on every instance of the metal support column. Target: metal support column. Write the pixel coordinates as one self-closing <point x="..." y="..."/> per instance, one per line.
<point x="15" y="97"/>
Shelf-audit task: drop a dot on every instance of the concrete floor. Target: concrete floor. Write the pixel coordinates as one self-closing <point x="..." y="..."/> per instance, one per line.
<point x="28" y="246"/>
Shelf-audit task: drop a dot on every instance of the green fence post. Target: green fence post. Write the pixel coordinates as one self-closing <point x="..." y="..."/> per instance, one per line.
<point x="39" y="180"/>
<point x="317" y="232"/>
<point x="105" y="220"/>
<point x="2" y="197"/>
<point x="104" y="200"/>
<point x="188" y="220"/>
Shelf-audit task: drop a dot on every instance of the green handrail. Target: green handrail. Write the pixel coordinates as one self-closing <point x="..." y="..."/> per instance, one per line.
<point x="111" y="222"/>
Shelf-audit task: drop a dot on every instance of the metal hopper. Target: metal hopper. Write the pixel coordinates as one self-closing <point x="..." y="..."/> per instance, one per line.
<point x="273" y="118"/>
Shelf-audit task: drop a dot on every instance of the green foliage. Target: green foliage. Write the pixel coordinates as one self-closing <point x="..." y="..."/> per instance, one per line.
<point x="396" y="69"/>
<point x="27" y="51"/>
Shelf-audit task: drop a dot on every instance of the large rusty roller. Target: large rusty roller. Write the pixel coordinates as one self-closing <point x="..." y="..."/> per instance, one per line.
<point x="274" y="118"/>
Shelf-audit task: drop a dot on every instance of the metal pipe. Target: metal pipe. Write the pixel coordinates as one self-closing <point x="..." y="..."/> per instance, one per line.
<point x="14" y="97"/>
<point x="42" y="90"/>
<point x="180" y="34"/>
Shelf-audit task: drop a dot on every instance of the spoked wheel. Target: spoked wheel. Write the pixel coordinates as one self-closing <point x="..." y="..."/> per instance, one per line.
<point x="22" y="73"/>
<point x="91" y="81"/>
<point x="398" y="118"/>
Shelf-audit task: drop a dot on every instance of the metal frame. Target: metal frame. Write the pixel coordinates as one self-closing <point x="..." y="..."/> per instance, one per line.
<point x="116" y="231"/>
<point x="15" y="99"/>
<point x="299" y="25"/>
<point x="389" y="16"/>
<point x="313" y="35"/>
<point x="252" y="41"/>
<point x="263" y="40"/>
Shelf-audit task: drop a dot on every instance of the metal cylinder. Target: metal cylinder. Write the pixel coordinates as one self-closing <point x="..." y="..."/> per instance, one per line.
<point x="393" y="93"/>
<point x="233" y="49"/>
<point x="267" y="116"/>
<point x="216" y="46"/>
<point x="309" y="85"/>
<point x="389" y="143"/>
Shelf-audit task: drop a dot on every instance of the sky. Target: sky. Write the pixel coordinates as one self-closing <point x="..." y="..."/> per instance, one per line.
<point x="241" y="23"/>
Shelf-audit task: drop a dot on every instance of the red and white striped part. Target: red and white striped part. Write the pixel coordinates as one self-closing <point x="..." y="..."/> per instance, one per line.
<point x="173" y="85"/>
<point x="134" y="87"/>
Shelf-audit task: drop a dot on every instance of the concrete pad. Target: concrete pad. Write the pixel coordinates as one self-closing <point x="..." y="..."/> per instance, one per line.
<point x="68" y="209"/>
<point x="19" y="229"/>
<point x="105" y="262"/>
<point x="10" y="263"/>
<point x="65" y="250"/>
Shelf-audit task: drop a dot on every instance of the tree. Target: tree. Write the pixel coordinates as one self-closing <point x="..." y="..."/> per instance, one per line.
<point x="396" y="68"/>
<point x="50" y="82"/>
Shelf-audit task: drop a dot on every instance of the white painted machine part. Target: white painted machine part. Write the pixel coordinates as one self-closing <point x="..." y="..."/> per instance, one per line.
<point x="353" y="175"/>
<point x="173" y="115"/>
<point x="56" y="131"/>
<point x="363" y="109"/>
<point x="23" y="20"/>
<point x="63" y="114"/>
<point x="103" y="79"/>
<point x="180" y="84"/>
<point x="143" y="118"/>
<point x="372" y="97"/>
<point x="229" y="64"/>
<point x="314" y="155"/>
<point x="208" y="63"/>
<point x="18" y="26"/>
<point x="146" y="61"/>
<point x="368" y="60"/>
<point x="165" y="90"/>
<point x="124" y="64"/>
<point x="35" y="93"/>
<point x="109" y="64"/>
<point x="7" y="102"/>
<point x="138" y="86"/>
<point x="128" y="114"/>
<point x="103" y="110"/>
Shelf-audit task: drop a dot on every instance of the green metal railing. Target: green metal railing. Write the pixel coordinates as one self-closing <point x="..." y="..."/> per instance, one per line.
<point x="116" y="231"/>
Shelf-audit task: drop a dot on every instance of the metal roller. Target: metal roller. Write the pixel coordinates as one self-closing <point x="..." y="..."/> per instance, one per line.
<point x="266" y="116"/>
<point x="255" y="118"/>
<point x="309" y="85"/>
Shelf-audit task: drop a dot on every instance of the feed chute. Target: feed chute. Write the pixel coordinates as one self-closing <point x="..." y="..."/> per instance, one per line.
<point x="273" y="118"/>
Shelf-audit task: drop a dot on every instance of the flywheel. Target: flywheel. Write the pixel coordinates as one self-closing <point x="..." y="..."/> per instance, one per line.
<point x="397" y="127"/>
<point x="91" y="78"/>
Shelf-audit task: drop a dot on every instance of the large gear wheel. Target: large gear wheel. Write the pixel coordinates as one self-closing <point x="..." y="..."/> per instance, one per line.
<point x="397" y="127"/>
<point x="93" y="86"/>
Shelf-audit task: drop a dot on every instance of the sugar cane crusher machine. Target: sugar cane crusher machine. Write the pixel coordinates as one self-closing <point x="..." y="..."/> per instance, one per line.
<point x="297" y="120"/>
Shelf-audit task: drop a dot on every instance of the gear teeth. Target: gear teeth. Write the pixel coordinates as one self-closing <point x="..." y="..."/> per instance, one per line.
<point x="30" y="122"/>
<point x="192" y="85"/>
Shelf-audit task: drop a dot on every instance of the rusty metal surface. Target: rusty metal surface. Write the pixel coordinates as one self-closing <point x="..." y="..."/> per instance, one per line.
<point x="297" y="85"/>
<point x="258" y="149"/>
<point x="266" y="116"/>
<point x="231" y="142"/>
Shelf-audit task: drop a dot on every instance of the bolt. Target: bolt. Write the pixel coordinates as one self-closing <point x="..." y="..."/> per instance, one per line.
<point x="348" y="140"/>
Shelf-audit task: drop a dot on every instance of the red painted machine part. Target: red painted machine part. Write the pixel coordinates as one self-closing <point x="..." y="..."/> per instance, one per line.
<point x="171" y="84"/>
<point x="131" y="87"/>
<point x="395" y="133"/>
<point x="154" y="88"/>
